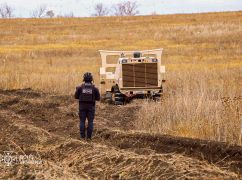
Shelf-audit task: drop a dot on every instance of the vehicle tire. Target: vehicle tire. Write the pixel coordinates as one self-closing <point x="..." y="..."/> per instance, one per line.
<point x="108" y="98"/>
<point x="117" y="97"/>
<point x="156" y="97"/>
<point x="118" y="94"/>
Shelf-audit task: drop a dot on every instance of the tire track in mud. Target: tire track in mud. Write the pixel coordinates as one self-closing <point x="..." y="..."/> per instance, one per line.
<point x="115" y="152"/>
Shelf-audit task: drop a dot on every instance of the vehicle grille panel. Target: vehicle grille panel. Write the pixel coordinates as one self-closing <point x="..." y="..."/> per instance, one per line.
<point x="140" y="75"/>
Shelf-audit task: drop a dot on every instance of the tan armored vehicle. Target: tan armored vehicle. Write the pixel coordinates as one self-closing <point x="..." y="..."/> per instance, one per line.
<point x="126" y="75"/>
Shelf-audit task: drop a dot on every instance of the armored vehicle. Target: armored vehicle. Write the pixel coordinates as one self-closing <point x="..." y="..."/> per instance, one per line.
<point x="125" y="75"/>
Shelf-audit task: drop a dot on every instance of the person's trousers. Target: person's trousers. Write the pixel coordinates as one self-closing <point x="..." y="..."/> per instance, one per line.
<point x="86" y="114"/>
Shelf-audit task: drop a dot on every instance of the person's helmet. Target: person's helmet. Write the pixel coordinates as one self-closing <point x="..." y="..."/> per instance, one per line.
<point x="87" y="77"/>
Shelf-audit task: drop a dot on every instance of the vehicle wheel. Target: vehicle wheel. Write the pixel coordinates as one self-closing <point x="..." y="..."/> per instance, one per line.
<point x="156" y="97"/>
<point x="108" y="98"/>
<point x="117" y="97"/>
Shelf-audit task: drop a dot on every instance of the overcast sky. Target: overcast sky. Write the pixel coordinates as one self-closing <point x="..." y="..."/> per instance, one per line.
<point x="84" y="8"/>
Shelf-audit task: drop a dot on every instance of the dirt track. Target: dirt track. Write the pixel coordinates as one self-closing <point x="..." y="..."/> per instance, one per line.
<point x="47" y="126"/>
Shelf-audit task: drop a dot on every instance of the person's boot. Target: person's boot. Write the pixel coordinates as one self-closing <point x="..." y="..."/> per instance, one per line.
<point x="82" y="137"/>
<point x="89" y="139"/>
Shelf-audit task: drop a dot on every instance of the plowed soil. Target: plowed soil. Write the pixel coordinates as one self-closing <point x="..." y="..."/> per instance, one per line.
<point x="47" y="126"/>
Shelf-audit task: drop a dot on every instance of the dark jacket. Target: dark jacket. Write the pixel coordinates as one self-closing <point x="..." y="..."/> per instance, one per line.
<point x="85" y="105"/>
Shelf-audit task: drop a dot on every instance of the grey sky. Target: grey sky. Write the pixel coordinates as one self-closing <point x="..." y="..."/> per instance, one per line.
<point x="23" y="8"/>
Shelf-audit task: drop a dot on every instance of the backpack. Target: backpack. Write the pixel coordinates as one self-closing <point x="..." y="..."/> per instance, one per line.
<point x="87" y="93"/>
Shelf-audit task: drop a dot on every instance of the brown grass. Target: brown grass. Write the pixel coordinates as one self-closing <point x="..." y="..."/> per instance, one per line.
<point x="202" y="53"/>
<point x="196" y="108"/>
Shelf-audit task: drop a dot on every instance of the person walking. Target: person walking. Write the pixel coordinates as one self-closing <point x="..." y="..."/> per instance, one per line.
<point x="87" y="94"/>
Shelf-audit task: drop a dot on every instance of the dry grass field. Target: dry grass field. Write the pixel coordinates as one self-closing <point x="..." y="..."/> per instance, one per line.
<point x="202" y="54"/>
<point x="202" y="94"/>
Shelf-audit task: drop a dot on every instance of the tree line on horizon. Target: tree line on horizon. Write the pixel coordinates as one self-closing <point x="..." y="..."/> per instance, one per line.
<point x="125" y="8"/>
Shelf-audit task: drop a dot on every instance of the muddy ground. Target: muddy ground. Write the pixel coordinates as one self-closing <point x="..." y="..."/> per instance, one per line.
<point x="47" y="127"/>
